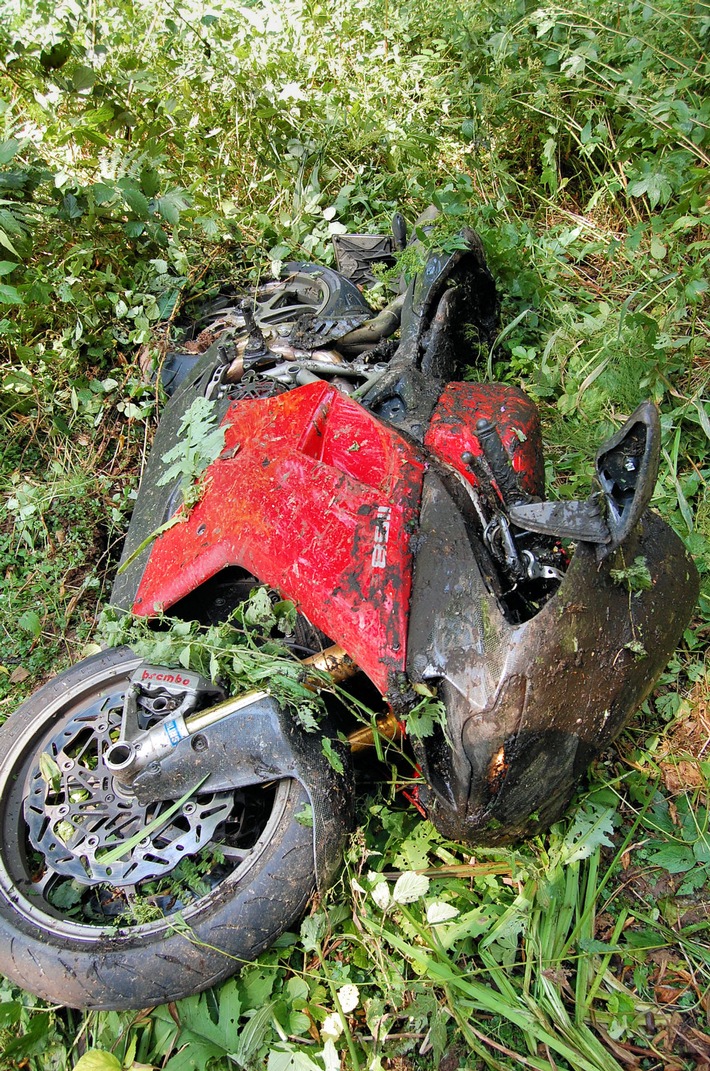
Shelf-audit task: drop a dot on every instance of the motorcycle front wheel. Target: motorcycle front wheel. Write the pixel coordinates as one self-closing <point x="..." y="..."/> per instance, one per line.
<point x="207" y="890"/>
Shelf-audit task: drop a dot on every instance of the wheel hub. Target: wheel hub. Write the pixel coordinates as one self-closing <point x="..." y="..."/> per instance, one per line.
<point x="76" y="816"/>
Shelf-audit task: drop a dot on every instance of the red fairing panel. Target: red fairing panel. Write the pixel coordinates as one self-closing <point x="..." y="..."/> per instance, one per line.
<point x="452" y="430"/>
<point x="317" y="499"/>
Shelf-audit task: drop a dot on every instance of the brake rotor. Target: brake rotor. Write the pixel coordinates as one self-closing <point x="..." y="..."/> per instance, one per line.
<point x="76" y="817"/>
<point x="299" y="294"/>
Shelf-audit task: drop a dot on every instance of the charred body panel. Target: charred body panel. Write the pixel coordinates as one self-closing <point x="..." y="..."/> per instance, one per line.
<point x="530" y="705"/>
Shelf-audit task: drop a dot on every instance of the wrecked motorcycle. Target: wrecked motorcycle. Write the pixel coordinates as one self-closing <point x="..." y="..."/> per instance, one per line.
<point x="402" y="510"/>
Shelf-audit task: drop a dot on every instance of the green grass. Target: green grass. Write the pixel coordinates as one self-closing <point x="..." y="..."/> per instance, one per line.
<point x="150" y="153"/>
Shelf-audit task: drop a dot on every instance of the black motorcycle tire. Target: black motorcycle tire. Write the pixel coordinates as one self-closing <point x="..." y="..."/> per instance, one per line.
<point x="145" y="964"/>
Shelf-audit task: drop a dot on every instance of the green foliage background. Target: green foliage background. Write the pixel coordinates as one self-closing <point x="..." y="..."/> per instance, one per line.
<point x="150" y="152"/>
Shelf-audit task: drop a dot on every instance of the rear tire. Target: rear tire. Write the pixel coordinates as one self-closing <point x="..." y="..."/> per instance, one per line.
<point x="68" y="955"/>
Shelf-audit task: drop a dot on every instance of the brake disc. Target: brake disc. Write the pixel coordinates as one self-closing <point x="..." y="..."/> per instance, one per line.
<point x="76" y="816"/>
<point x="297" y="295"/>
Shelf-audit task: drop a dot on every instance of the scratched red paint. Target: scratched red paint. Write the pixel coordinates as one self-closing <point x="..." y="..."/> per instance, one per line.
<point x="316" y="490"/>
<point x="452" y="430"/>
<point x="319" y="499"/>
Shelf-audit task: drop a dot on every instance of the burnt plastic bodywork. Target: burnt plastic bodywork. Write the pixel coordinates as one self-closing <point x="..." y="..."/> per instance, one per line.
<point x="530" y="705"/>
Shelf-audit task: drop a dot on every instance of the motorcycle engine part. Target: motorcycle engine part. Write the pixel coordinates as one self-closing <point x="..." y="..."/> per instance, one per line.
<point x="300" y="293"/>
<point x="102" y="946"/>
<point x="255" y="350"/>
<point x="627" y="470"/>
<point x="217" y="384"/>
<point x="380" y="327"/>
<point x="253" y="387"/>
<point x="344" y="299"/>
<point x="306" y="290"/>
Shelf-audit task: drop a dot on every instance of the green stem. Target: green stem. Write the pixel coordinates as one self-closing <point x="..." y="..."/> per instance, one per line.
<point x="339" y="1008"/>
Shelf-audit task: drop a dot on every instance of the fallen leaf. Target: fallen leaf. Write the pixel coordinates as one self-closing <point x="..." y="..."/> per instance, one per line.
<point x="19" y="675"/>
<point x="668" y="994"/>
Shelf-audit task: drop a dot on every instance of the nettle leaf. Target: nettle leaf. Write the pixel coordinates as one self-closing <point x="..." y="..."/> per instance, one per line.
<point x="10" y="296"/>
<point x="8" y="150"/>
<point x="256" y="986"/>
<point x="10" y="1012"/>
<point x="312" y="931"/>
<point x="634" y="577"/>
<point x="675" y="858"/>
<point x="259" y="610"/>
<point x="31" y="622"/>
<point x="31" y="1043"/>
<point x="593" y="827"/>
<point x="83" y="78"/>
<point x="410" y="887"/>
<point x="423" y="718"/>
<point x="654" y="184"/>
<point x="135" y="200"/>
<point x="171" y="204"/>
<point x="150" y="181"/>
<point x="98" y="1060"/>
<point x="103" y="192"/>
<point x="695" y="879"/>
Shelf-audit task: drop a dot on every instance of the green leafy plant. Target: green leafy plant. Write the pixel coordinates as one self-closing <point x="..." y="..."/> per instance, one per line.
<point x="200" y="440"/>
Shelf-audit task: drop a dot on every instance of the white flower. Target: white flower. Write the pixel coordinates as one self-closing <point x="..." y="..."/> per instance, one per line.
<point x="440" y="912"/>
<point x="381" y="895"/>
<point x="410" y="887"/>
<point x="332" y="1027"/>
<point x="349" y="998"/>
